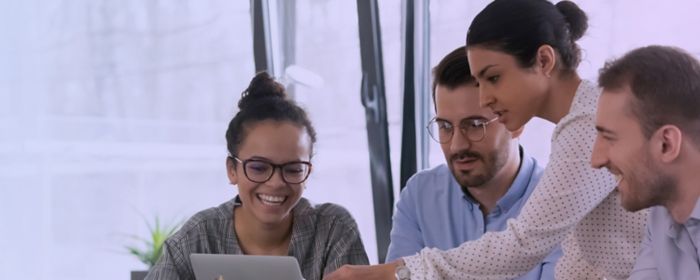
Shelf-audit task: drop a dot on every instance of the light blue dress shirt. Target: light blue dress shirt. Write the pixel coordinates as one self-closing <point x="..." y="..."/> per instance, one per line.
<point x="433" y="211"/>
<point x="669" y="250"/>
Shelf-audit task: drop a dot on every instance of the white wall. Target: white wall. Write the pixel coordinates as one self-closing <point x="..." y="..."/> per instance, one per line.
<point x="110" y="110"/>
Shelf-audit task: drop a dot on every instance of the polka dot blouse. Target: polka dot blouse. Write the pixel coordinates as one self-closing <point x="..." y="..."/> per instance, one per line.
<point x="573" y="204"/>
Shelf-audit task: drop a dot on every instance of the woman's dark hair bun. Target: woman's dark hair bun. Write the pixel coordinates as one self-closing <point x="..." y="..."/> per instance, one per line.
<point x="577" y="19"/>
<point x="263" y="86"/>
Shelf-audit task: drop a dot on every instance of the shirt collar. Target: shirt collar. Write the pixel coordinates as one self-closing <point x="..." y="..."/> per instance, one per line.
<point x="517" y="189"/>
<point x="695" y="215"/>
<point x="519" y="186"/>
<point x="674" y="228"/>
<point x="694" y="218"/>
<point x="303" y="227"/>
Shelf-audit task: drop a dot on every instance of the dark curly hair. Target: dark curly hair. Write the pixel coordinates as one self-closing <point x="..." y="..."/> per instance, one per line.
<point x="264" y="99"/>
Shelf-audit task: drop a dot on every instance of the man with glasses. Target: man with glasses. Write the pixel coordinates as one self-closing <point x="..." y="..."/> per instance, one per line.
<point x="486" y="180"/>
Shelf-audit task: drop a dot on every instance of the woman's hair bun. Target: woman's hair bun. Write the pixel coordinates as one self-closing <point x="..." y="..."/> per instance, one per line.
<point x="577" y="19"/>
<point x="263" y="86"/>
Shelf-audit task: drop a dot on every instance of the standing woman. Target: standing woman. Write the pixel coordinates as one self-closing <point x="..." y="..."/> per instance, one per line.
<point x="270" y="143"/>
<point x="523" y="54"/>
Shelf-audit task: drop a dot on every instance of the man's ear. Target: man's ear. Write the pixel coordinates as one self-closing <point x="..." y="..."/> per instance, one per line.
<point x="666" y="143"/>
<point x="546" y="60"/>
<point x="516" y="133"/>
<point x="231" y="171"/>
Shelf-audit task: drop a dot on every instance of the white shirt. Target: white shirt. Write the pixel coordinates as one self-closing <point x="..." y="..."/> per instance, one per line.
<point x="573" y="204"/>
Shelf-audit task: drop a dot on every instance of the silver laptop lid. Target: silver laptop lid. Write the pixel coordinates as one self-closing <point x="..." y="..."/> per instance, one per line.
<point x="244" y="267"/>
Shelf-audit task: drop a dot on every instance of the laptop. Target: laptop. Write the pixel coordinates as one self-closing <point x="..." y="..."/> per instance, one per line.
<point x="244" y="267"/>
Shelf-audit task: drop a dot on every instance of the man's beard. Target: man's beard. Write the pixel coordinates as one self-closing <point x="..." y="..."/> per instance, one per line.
<point x="490" y="165"/>
<point x="647" y="187"/>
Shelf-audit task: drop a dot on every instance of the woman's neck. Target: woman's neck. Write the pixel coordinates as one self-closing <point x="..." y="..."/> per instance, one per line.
<point x="560" y="96"/>
<point x="256" y="238"/>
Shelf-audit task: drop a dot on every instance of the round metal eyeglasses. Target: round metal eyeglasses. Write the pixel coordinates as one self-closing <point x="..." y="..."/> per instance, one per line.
<point x="442" y="131"/>
<point x="260" y="171"/>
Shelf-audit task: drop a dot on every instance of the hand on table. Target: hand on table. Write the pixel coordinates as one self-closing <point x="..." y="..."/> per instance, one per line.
<point x="364" y="272"/>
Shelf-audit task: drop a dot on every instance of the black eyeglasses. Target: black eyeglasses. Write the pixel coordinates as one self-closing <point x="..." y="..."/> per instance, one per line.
<point x="473" y="129"/>
<point x="260" y="171"/>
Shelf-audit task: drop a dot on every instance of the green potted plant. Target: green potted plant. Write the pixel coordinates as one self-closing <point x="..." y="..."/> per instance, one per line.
<point x="150" y="249"/>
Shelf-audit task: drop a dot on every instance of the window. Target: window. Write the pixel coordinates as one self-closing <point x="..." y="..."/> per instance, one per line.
<point x="116" y="113"/>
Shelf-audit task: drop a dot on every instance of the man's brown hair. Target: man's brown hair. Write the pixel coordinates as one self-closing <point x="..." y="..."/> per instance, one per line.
<point x="665" y="82"/>
<point x="452" y="71"/>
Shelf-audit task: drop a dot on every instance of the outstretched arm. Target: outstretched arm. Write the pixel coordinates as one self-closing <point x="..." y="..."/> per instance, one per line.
<point x="568" y="190"/>
<point x="406" y="237"/>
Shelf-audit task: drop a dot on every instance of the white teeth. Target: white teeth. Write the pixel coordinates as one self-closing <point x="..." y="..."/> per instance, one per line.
<point x="271" y="199"/>
<point x="618" y="178"/>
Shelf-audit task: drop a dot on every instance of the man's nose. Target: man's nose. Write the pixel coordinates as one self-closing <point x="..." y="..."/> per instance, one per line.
<point x="459" y="141"/>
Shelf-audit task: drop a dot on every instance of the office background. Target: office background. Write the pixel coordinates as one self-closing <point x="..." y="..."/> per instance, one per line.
<point x="114" y="111"/>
